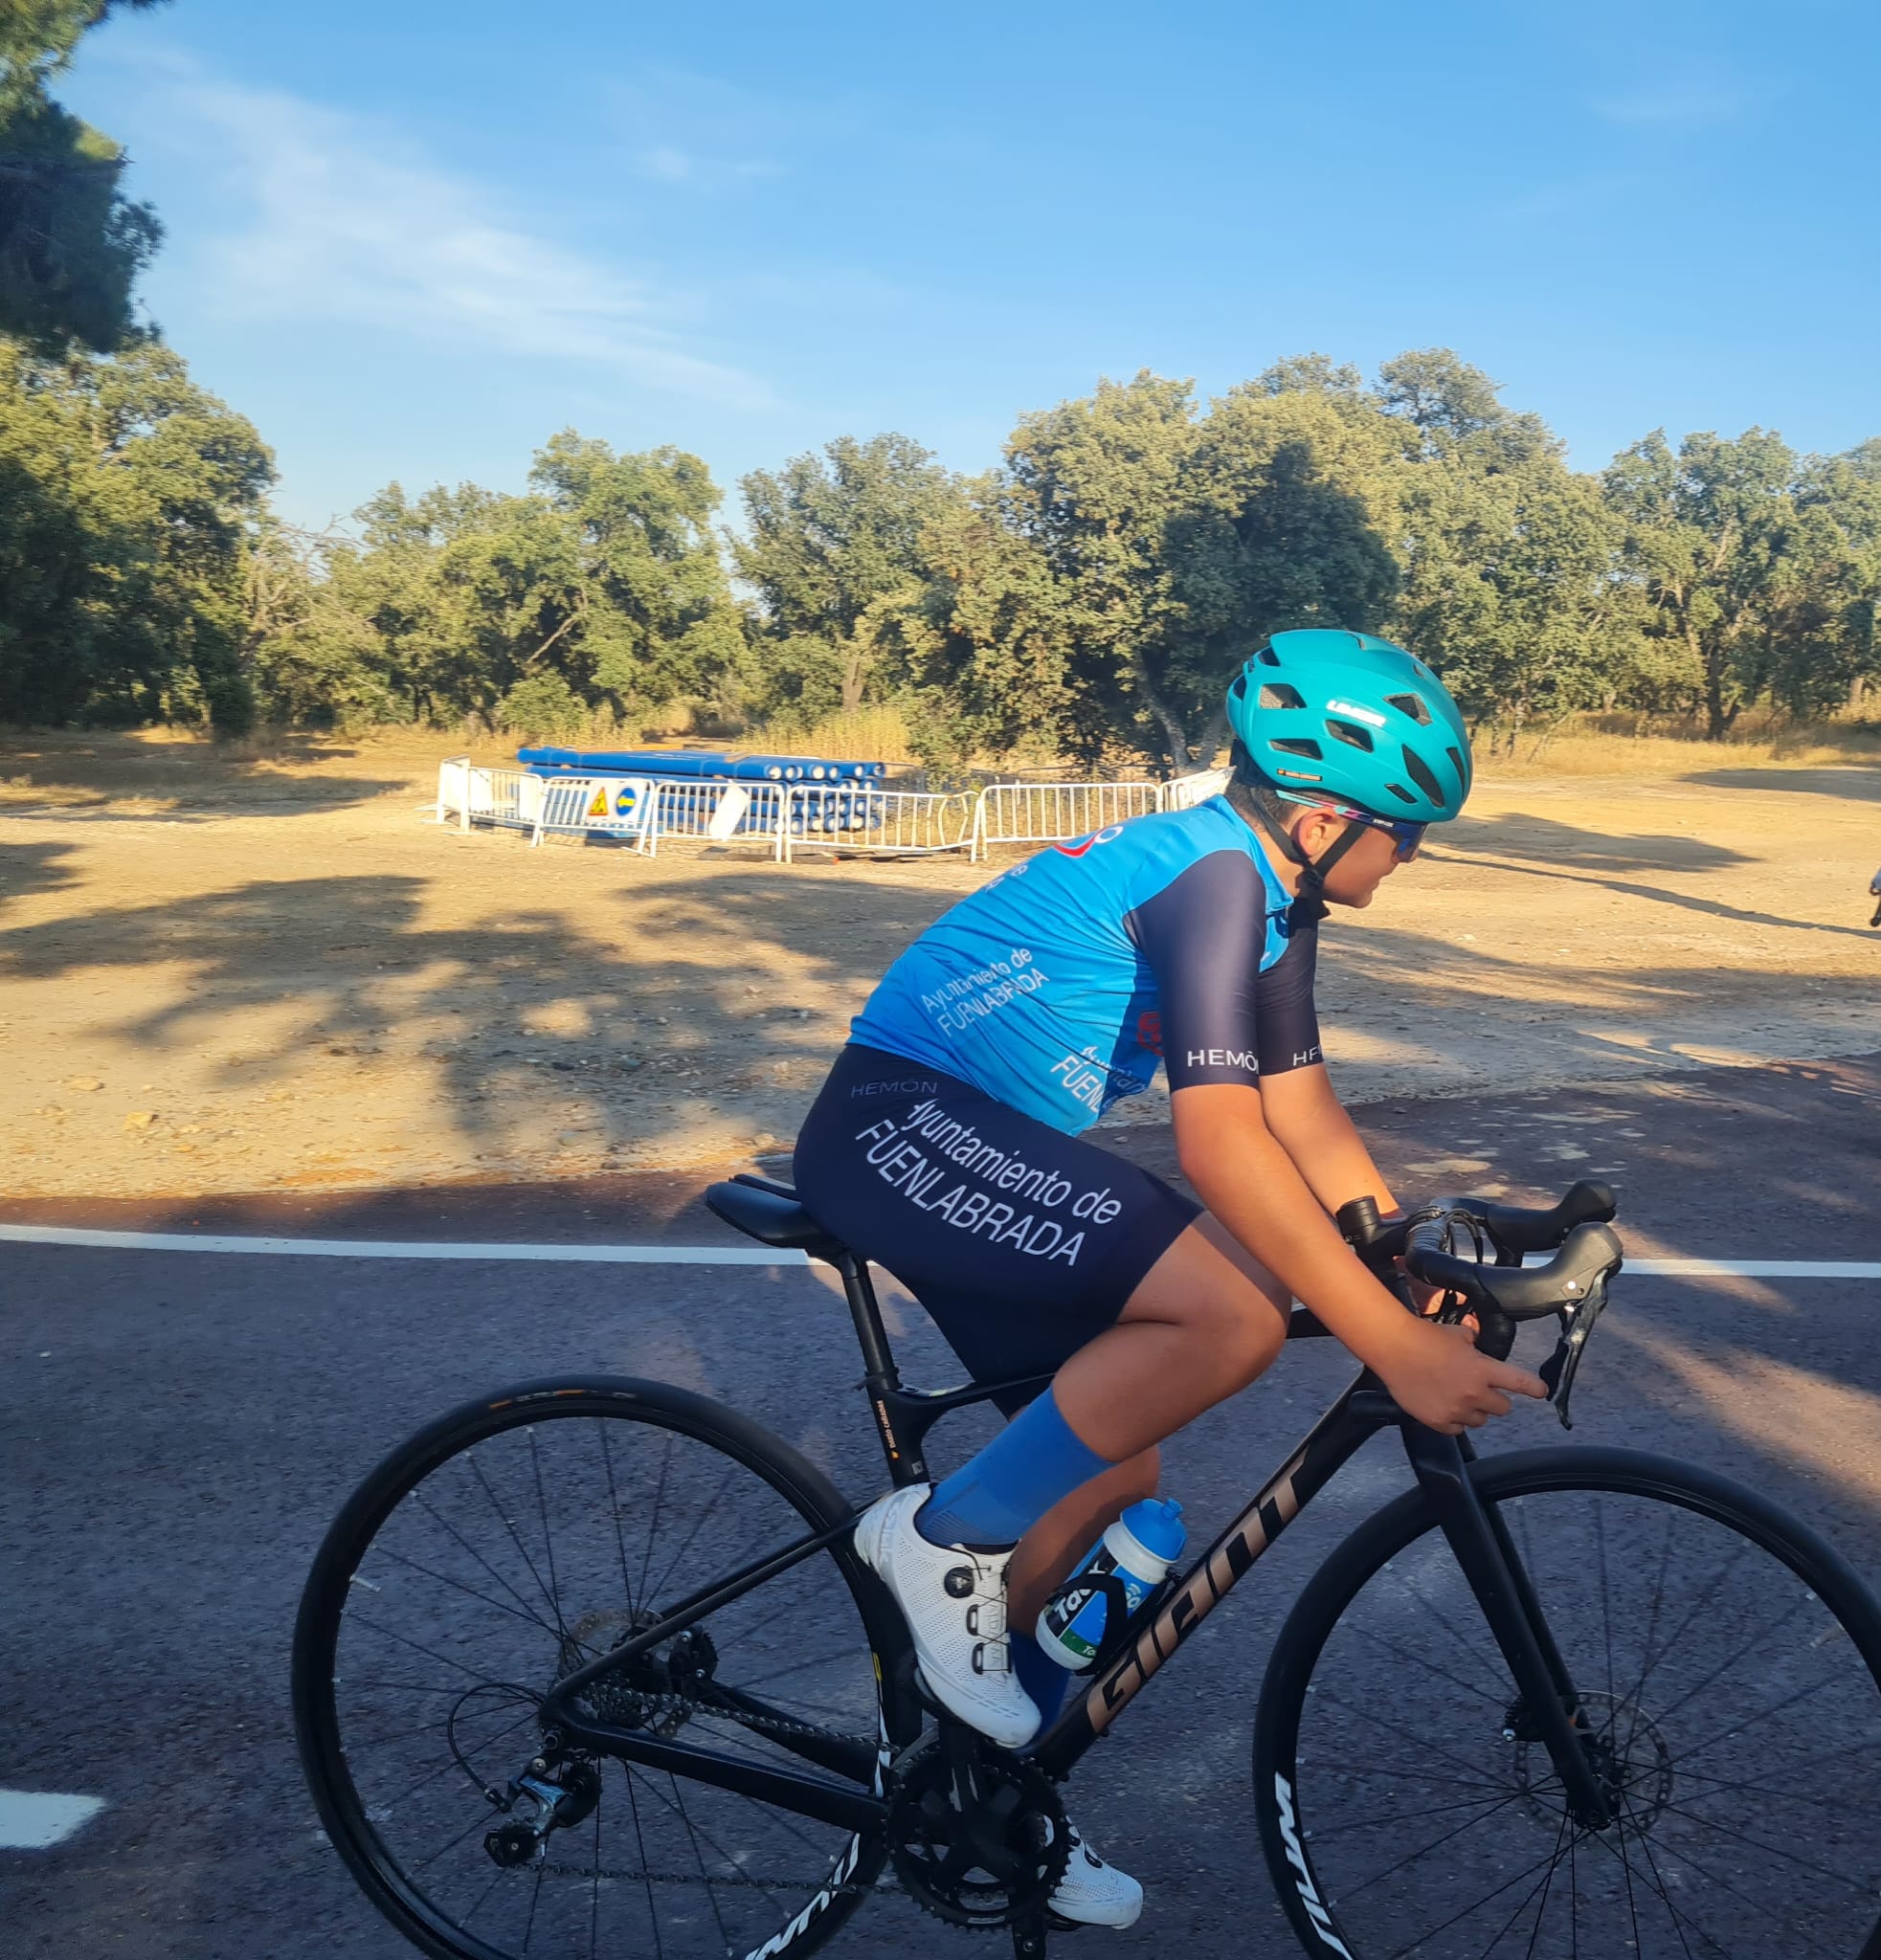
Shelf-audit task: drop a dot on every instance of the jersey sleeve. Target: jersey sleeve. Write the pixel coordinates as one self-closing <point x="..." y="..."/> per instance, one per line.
<point x="1223" y="1021"/>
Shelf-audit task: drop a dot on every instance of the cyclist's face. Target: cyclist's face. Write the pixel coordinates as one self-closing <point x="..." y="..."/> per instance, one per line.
<point x="1354" y="880"/>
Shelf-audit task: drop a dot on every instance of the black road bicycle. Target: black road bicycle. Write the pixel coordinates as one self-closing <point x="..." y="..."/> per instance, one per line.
<point x="590" y="1668"/>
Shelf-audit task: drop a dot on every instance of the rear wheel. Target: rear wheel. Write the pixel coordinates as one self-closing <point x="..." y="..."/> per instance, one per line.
<point x="502" y="1547"/>
<point x="1729" y="1665"/>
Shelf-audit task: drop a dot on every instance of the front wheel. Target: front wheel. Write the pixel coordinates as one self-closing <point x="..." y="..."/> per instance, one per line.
<point x="1727" y="1661"/>
<point x="520" y="1537"/>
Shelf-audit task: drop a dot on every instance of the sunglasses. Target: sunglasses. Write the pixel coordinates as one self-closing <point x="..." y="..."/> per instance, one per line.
<point x="1405" y="837"/>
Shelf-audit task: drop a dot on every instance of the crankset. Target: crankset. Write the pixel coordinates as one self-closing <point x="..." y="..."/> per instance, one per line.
<point x="978" y="1838"/>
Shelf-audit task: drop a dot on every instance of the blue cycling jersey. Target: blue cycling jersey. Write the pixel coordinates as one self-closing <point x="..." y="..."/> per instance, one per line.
<point x="1060" y="986"/>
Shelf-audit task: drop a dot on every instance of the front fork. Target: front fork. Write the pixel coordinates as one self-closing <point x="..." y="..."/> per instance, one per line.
<point x="1480" y="1542"/>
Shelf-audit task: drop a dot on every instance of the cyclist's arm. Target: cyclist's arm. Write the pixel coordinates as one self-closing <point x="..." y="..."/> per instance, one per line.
<point x="1244" y="1176"/>
<point x="1248" y="1180"/>
<point x="1309" y="1122"/>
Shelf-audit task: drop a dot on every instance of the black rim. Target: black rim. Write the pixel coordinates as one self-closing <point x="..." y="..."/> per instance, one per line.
<point x="505" y="1547"/>
<point x="1727" y="1669"/>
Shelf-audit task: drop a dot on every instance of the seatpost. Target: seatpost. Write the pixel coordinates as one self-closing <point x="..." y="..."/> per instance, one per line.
<point x="880" y="1375"/>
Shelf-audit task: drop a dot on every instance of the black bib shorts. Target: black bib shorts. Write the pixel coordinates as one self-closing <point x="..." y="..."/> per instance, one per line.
<point x="1022" y="1242"/>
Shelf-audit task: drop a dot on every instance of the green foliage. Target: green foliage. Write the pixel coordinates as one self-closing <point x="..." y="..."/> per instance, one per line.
<point x="71" y="244"/>
<point x="835" y="554"/>
<point x="126" y="496"/>
<point x="1088" y="599"/>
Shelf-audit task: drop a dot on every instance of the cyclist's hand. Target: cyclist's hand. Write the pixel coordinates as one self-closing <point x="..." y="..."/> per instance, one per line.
<point x="1437" y="1376"/>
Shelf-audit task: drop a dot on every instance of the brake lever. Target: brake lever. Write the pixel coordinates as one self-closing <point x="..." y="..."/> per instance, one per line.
<point x="1558" y="1370"/>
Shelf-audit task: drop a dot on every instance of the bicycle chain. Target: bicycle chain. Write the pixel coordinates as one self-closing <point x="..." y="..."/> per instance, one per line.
<point x="774" y="1724"/>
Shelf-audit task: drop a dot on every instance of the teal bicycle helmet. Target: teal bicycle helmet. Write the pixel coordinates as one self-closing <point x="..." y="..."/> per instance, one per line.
<point x="1355" y="719"/>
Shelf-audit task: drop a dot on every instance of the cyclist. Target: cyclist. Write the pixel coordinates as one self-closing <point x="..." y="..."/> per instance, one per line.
<point x="945" y="1147"/>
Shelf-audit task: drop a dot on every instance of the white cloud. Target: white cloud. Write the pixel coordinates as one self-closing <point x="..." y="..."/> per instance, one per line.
<point x="1670" y="104"/>
<point x="345" y="220"/>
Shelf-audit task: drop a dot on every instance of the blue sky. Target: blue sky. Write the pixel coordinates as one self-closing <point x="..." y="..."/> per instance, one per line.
<point x="414" y="238"/>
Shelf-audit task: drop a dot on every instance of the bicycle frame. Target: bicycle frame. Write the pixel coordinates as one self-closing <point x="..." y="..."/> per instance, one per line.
<point x="1478" y="1540"/>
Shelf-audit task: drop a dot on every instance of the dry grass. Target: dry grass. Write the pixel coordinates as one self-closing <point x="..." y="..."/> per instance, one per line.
<point x="874" y="734"/>
<point x="1631" y="744"/>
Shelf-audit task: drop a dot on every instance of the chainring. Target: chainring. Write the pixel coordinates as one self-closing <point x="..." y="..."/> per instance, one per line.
<point x="933" y="1842"/>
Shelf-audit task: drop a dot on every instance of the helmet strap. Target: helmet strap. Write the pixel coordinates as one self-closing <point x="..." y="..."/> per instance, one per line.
<point x="1309" y="905"/>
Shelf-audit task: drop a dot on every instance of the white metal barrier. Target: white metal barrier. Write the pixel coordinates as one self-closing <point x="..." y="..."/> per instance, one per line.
<point x="513" y="799"/>
<point x="616" y="806"/>
<point x="904" y="823"/>
<point x="1186" y="791"/>
<point x="791" y="817"/>
<point x="1048" y="812"/>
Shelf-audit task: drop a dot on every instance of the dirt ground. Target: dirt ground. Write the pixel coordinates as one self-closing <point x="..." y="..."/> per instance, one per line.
<point x="242" y="975"/>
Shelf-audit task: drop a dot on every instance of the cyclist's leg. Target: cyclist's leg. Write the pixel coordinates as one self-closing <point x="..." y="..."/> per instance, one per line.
<point x="1206" y="1319"/>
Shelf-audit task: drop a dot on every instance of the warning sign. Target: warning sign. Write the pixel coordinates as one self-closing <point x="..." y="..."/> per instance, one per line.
<point x="598" y="804"/>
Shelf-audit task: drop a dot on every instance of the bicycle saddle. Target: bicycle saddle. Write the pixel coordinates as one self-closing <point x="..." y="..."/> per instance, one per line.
<point x="771" y="1213"/>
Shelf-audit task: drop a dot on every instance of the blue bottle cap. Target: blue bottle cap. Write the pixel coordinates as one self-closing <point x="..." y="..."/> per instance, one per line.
<point x="1157" y="1524"/>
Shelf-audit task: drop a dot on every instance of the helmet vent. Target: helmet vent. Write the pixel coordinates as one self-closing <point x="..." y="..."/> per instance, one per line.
<point x="1290" y="744"/>
<point x="1267" y="657"/>
<point x="1276" y="694"/>
<point x="1410" y="705"/>
<point x="1350" y="734"/>
<point x="1399" y="791"/>
<point x="1421" y="775"/>
<point x="1463" y="773"/>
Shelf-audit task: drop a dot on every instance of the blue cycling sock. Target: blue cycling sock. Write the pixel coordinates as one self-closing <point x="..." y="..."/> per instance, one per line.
<point x="995" y="1498"/>
<point x="1039" y="1674"/>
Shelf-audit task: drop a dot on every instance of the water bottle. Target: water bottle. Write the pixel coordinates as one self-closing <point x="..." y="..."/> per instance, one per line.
<point x="1137" y="1549"/>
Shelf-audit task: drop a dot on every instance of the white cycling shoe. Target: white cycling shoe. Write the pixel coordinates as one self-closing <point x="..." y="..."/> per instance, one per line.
<point x="954" y="1602"/>
<point x="1094" y="1893"/>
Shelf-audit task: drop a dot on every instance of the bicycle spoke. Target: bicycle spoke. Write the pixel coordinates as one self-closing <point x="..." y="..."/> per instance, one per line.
<point x="548" y="1536"/>
<point x="503" y="1518"/>
<point x="1474" y="1905"/>
<point x="705" y="1511"/>
<point x="640" y="1839"/>
<point x="418" y="1498"/>
<point x="658" y="1498"/>
<point x="614" y="1513"/>
<point x="699" y="1857"/>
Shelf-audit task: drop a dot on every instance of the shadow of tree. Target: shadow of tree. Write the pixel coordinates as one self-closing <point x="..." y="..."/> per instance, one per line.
<point x="56" y="776"/>
<point x="1681" y="901"/>
<point x="1848" y="779"/>
<point x="26" y="869"/>
<point x="1521" y="834"/>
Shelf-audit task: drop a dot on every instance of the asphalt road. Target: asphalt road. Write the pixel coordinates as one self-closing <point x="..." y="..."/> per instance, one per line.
<point x="179" y="1428"/>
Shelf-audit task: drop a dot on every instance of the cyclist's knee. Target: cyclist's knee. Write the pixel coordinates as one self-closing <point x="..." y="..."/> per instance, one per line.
<point x="1211" y="1288"/>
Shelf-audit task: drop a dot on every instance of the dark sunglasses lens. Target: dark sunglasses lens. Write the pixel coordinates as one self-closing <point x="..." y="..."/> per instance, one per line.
<point x="1409" y="836"/>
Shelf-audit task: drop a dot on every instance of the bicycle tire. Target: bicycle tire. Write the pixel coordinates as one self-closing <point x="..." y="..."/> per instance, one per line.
<point x="1304" y="1805"/>
<point x="655" y="1409"/>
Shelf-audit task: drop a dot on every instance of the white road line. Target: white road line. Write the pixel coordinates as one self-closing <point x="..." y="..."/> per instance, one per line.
<point x="37" y="1820"/>
<point x="735" y="1254"/>
<point x="403" y="1248"/>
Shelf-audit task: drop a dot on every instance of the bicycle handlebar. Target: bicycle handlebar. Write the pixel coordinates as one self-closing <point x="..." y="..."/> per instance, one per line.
<point x="1501" y="1293"/>
<point x="1511" y="1228"/>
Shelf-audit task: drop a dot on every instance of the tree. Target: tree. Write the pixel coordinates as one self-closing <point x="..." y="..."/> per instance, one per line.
<point x="652" y="608"/>
<point x="1710" y="534"/>
<point x="126" y="496"/>
<point x="71" y="244"/>
<point x="834" y="552"/>
<point x="1511" y="588"/>
<point x="1149" y="551"/>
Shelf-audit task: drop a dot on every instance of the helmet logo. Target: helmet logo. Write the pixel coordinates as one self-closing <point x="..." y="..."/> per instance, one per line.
<point x="1335" y="706"/>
